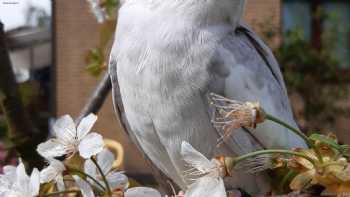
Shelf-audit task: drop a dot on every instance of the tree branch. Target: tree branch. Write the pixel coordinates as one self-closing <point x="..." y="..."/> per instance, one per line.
<point x="97" y="98"/>
<point x="22" y="132"/>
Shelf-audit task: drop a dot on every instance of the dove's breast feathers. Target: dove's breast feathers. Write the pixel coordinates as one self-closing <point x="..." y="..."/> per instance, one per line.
<point x="168" y="58"/>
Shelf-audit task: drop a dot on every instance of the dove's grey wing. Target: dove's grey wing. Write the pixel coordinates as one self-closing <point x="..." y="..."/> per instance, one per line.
<point x="161" y="178"/>
<point x="245" y="69"/>
<point x="265" y="53"/>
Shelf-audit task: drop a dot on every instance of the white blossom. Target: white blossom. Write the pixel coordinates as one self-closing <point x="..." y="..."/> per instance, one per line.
<point x="116" y="180"/>
<point x="7" y="179"/>
<point x="87" y="191"/>
<point x="71" y="139"/>
<point x="207" y="174"/>
<point x="142" y="191"/>
<point x="99" y="12"/>
<point x="16" y="183"/>
<point x="53" y="173"/>
<point x="84" y="187"/>
<point x="105" y="159"/>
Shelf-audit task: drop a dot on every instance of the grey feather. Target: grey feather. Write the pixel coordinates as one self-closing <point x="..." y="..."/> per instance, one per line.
<point x="170" y="55"/>
<point x="255" y="76"/>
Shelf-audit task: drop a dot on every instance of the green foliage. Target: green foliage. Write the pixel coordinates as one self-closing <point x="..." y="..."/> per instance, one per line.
<point x="110" y="6"/>
<point x="318" y="75"/>
<point x="29" y="92"/>
<point x="309" y="71"/>
<point x="96" y="57"/>
<point x="301" y="60"/>
<point x="96" y="61"/>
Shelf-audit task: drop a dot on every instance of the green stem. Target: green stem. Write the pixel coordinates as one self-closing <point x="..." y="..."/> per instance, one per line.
<point x="231" y="162"/>
<point x="287" y="177"/>
<point x="87" y="175"/>
<point x="297" y="132"/>
<point x="61" y="192"/>
<point x="103" y="177"/>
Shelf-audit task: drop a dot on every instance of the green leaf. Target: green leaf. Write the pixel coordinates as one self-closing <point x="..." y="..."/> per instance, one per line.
<point x="96" y="61"/>
<point x="326" y="140"/>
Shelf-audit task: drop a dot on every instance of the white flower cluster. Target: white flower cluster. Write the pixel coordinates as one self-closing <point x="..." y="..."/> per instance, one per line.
<point x="71" y="139"/>
<point x="16" y="183"/>
<point x="98" y="176"/>
<point x="208" y="174"/>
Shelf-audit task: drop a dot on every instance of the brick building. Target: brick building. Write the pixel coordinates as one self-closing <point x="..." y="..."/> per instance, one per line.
<point x="76" y="31"/>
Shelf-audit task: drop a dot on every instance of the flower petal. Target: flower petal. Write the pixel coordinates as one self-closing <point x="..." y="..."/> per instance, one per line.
<point x="91" y="145"/>
<point x="58" y="165"/>
<point x="207" y="187"/>
<point x="105" y="160"/>
<point x="51" y="148"/>
<point x="117" y="180"/>
<point x="9" y="176"/>
<point x="7" y="193"/>
<point x="86" y="125"/>
<point x="52" y="171"/>
<point x="22" y="178"/>
<point x="90" y="169"/>
<point x="64" y="128"/>
<point x="343" y="175"/>
<point x="301" y="180"/>
<point x="9" y="170"/>
<point x="142" y="191"/>
<point x="22" y="183"/>
<point x="195" y="158"/>
<point x="84" y="187"/>
<point x="35" y="182"/>
<point x="6" y="182"/>
<point x="304" y="162"/>
<point x="60" y="183"/>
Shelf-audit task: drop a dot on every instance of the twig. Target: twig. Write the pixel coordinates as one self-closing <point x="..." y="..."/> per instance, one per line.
<point x="62" y="192"/>
<point x="108" y="188"/>
<point x="88" y="176"/>
<point x="22" y="132"/>
<point x="97" y="98"/>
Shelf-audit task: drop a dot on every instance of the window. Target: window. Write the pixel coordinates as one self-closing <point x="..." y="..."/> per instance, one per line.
<point x="341" y="17"/>
<point x="333" y="24"/>
<point x="296" y="14"/>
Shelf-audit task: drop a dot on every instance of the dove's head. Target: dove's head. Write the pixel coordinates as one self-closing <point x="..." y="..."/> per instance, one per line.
<point x="208" y="10"/>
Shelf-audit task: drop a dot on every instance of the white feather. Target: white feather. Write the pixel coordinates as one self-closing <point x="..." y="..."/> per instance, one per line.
<point x="168" y="53"/>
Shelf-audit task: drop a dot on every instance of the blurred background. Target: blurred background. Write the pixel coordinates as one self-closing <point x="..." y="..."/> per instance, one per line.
<point x="58" y="52"/>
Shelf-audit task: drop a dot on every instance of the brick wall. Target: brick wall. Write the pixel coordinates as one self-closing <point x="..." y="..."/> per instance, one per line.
<point x="263" y="15"/>
<point x="258" y="12"/>
<point x="77" y="32"/>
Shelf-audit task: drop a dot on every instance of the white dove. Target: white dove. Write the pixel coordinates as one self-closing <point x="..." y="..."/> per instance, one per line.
<point x="168" y="55"/>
